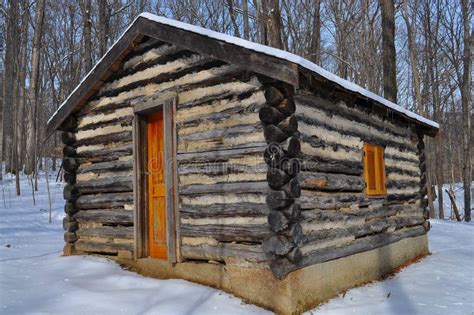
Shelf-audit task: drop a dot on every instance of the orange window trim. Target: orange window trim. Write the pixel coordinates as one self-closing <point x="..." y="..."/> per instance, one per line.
<point x="374" y="170"/>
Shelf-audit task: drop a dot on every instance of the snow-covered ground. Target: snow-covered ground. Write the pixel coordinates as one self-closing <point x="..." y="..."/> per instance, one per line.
<point x="459" y="196"/>
<point x="34" y="278"/>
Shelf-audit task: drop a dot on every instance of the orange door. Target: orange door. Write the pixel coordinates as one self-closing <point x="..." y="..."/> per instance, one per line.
<point x="158" y="247"/>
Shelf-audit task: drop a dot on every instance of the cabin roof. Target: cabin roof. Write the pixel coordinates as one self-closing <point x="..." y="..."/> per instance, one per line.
<point x="275" y="63"/>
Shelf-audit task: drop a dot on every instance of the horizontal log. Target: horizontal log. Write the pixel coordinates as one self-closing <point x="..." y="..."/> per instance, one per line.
<point x="279" y="245"/>
<point x="70" y="208"/>
<point x="68" y="138"/>
<point x="273" y="95"/>
<point x="230" y="253"/>
<point x="281" y="267"/>
<point x="270" y="115"/>
<point x="106" y="154"/>
<point x="69" y="151"/>
<point x="104" y="201"/>
<point x="319" y="164"/>
<point x="310" y="200"/>
<point x="286" y="106"/>
<point x="70" y="164"/>
<point x="273" y="155"/>
<point x="123" y="136"/>
<point x="69" y="177"/>
<point x="108" y="248"/>
<point x="289" y="124"/>
<point x="291" y="146"/>
<point x="71" y="226"/>
<point x="122" y="217"/>
<point x="278" y="199"/>
<point x="70" y="192"/>
<point x="219" y="155"/>
<point x="109" y="166"/>
<point x="292" y="212"/>
<point x="70" y="237"/>
<point x="244" y="187"/>
<point x="244" y="209"/>
<point x="123" y="232"/>
<point x="330" y="182"/>
<point x="69" y="124"/>
<point x="227" y="233"/>
<point x="106" y="185"/>
<point x="277" y="178"/>
<point x="295" y="256"/>
<point x="277" y="221"/>
<point x="274" y="134"/>
<point x="291" y="167"/>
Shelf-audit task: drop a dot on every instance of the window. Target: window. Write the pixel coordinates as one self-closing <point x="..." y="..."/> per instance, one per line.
<point x="374" y="170"/>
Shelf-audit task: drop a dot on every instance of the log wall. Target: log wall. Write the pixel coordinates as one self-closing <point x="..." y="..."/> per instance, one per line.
<point x="220" y="143"/>
<point x="338" y="218"/>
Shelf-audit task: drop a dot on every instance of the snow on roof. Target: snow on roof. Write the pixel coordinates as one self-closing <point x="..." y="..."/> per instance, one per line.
<point x="278" y="53"/>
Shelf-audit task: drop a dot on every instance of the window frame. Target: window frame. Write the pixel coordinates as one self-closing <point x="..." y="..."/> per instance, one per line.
<point x="379" y="170"/>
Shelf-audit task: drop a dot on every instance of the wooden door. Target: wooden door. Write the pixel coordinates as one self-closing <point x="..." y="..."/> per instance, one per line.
<point x="158" y="247"/>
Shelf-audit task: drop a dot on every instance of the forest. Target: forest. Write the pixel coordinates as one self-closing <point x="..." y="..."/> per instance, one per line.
<point x="415" y="53"/>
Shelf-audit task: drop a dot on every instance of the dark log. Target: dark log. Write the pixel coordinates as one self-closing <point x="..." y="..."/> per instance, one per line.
<point x="277" y="221"/>
<point x="70" y="192"/>
<point x="291" y="146"/>
<point x="72" y="226"/>
<point x="273" y="154"/>
<point x="106" y="185"/>
<point x="104" y="201"/>
<point x="292" y="212"/>
<point x="273" y="96"/>
<point x="424" y="191"/>
<point x="294" y="188"/>
<point x="70" y="237"/>
<point x="289" y="124"/>
<point x="219" y="155"/>
<point x="319" y="164"/>
<point x="230" y="253"/>
<point x="123" y="136"/>
<point x="426" y="225"/>
<point x="108" y="248"/>
<point x="225" y="210"/>
<point x="68" y="138"/>
<point x="291" y="166"/>
<point x="295" y="234"/>
<point x="70" y="208"/>
<point x="310" y="200"/>
<point x="286" y="106"/>
<point x="330" y="182"/>
<point x="270" y="115"/>
<point x="278" y="199"/>
<point x="110" y="154"/>
<point x="122" y="217"/>
<point x="227" y="233"/>
<point x="423" y="167"/>
<point x="244" y="187"/>
<point x="277" y="244"/>
<point x="424" y="203"/>
<point x="69" y="124"/>
<point x="69" y="151"/>
<point x="281" y="267"/>
<point x="276" y="178"/>
<point x="70" y="164"/>
<point x="109" y="166"/>
<point x="123" y="232"/>
<point x="274" y="134"/>
<point x="70" y="177"/>
<point x="295" y="255"/>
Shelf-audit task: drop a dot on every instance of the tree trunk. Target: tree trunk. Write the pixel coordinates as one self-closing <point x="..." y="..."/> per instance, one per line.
<point x="245" y="12"/>
<point x="388" y="47"/>
<point x="87" y="33"/>
<point x="104" y="22"/>
<point x="34" y="88"/>
<point x="315" y="52"/>
<point x="274" y="24"/>
<point x="466" y="110"/>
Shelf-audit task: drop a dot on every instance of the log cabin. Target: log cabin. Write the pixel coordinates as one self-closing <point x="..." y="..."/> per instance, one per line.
<point x="197" y="155"/>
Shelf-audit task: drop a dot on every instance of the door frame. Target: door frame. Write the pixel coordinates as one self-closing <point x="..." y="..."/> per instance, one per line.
<point x="140" y="183"/>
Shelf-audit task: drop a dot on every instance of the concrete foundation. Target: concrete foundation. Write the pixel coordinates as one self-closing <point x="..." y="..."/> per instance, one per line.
<point x="300" y="290"/>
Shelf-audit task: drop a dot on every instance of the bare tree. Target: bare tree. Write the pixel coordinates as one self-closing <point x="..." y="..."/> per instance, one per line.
<point x="87" y="33"/>
<point x="389" y="54"/>
<point x="466" y="109"/>
<point x="31" y="139"/>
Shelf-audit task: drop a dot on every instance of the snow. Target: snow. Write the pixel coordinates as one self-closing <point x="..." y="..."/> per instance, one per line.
<point x="35" y="278"/>
<point x="271" y="52"/>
